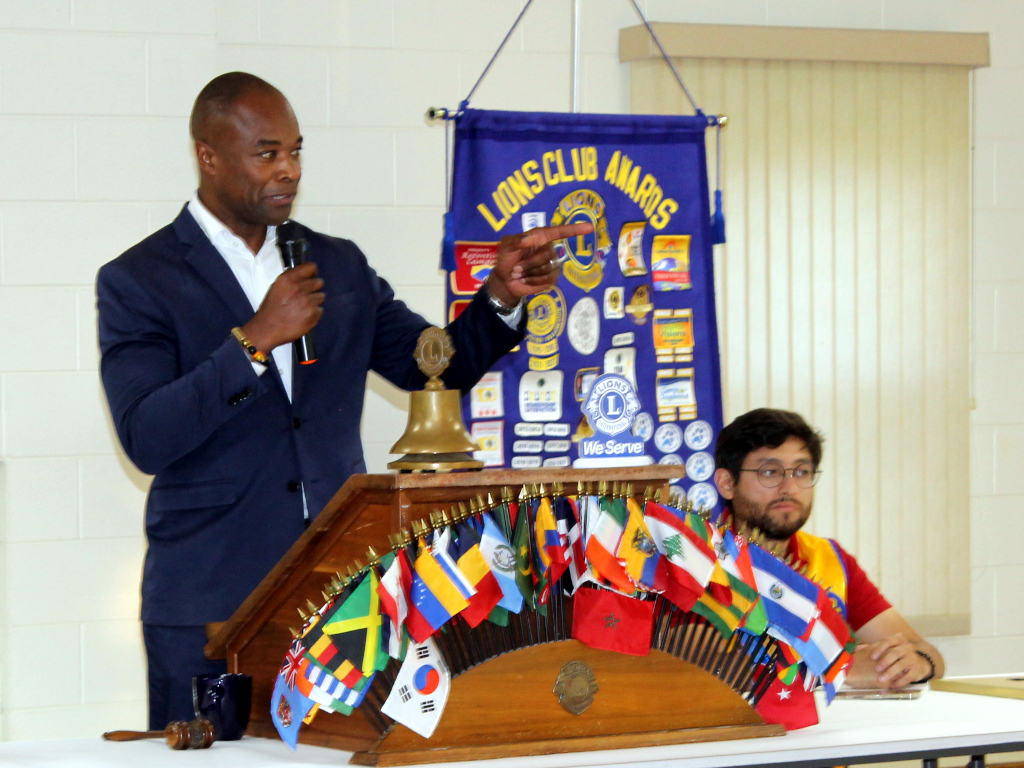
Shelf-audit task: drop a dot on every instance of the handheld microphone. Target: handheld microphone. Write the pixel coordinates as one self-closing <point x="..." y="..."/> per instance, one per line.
<point x="293" y="252"/>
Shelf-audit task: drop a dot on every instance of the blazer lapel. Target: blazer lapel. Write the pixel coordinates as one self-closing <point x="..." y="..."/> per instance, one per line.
<point x="210" y="265"/>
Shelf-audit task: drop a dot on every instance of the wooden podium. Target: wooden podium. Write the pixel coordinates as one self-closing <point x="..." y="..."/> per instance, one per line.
<point x="502" y="701"/>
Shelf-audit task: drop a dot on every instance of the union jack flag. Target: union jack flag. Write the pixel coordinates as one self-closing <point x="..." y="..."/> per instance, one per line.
<point x="292" y="663"/>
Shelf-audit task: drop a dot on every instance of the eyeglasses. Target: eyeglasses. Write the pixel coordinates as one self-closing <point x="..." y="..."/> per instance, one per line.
<point x="771" y="475"/>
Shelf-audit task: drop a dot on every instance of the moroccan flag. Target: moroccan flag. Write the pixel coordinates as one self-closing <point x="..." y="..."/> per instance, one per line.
<point x="434" y="597"/>
<point x="688" y="560"/>
<point x="789" y="705"/>
<point x="637" y="550"/>
<point x="471" y="562"/>
<point x="612" y="621"/>
<point x="524" y="560"/>
<point x="604" y="544"/>
<point x="501" y="559"/>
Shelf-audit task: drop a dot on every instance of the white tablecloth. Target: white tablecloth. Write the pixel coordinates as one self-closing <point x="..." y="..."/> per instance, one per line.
<point x="850" y="731"/>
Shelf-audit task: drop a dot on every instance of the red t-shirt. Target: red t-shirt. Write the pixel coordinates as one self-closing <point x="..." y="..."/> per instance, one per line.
<point x="863" y="600"/>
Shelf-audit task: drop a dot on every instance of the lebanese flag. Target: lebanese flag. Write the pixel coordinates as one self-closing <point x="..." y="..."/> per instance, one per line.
<point x="688" y="561"/>
<point x="612" y="622"/>
<point x="790" y="705"/>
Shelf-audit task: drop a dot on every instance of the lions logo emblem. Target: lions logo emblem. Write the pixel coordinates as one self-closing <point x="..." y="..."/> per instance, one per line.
<point x="585" y="253"/>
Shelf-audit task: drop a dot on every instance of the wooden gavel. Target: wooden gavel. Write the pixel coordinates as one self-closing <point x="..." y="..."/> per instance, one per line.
<point x="194" y="734"/>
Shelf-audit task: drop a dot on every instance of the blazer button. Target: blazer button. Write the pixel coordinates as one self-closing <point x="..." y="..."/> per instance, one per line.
<point x="296" y="422"/>
<point x="294" y="485"/>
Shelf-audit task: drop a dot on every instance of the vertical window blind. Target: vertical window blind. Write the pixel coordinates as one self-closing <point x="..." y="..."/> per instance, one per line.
<point x="844" y="294"/>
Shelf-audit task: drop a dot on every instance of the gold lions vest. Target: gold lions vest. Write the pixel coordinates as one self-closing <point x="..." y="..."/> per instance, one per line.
<point x="824" y="565"/>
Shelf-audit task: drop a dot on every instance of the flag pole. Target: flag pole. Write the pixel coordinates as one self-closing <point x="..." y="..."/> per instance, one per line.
<point x="574" y="58"/>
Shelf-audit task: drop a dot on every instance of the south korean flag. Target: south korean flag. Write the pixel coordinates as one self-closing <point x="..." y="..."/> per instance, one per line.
<point x="420" y="692"/>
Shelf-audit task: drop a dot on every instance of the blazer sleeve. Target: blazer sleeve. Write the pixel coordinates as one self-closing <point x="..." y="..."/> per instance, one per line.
<point x="480" y="338"/>
<point x="161" y="413"/>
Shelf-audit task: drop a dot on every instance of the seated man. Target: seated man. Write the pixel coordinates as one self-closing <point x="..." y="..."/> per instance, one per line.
<point x="767" y="463"/>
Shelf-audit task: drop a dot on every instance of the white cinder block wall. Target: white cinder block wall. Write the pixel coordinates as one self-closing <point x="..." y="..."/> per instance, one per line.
<point x="94" y="98"/>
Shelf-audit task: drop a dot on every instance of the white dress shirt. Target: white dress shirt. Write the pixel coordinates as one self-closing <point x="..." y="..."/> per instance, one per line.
<point x="254" y="272"/>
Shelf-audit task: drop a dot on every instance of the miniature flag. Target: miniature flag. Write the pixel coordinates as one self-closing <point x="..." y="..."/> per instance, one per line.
<point x="287" y="708"/>
<point x="524" y="560"/>
<point x="541" y="566"/>
<point x="613" y="621"/>
<point x="420" y="691"/>
<point x="434" y="596"/>
<point x="551" y="543"/>
<point x="354" y="627"/>
<point x="567" y="515"/>
<point x="835" y="676"/>
<point x="604" y="544"/>
<point x="393" y="590"/>
<point x="474" y="566"/>
<point x="329" y="693"/>
<point x="734" y="558"/>
<point x="292" y="663"/>
<point x="725" y="618"/>
<point x="446" y="552"/>
<point x="829" y="635"/>
<point x="688" y="561"/>
<point x="502" y="561"/>
<point x="790" y="705"/>
<point x="790" y="600"/>
<point x="637" y="550"/>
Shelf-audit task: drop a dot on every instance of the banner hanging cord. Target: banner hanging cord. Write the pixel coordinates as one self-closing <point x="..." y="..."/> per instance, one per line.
<point x="664" y="55"/>
<point x="465" y="102"/>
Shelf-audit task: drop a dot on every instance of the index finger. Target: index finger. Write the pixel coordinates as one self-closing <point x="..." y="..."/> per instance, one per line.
<point x="542" y="235"/>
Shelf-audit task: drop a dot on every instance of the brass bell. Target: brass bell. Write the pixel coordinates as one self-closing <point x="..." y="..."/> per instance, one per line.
<point x="435" y="437"/>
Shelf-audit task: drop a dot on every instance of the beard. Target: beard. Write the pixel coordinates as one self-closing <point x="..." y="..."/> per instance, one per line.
<point x="759" y="516"/>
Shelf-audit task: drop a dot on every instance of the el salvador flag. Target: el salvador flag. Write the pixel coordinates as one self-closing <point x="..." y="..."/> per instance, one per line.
<point x="790" y="600"/>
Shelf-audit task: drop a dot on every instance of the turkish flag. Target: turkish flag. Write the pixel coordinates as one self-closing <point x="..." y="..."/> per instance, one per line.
<point x="612" y="622"/>
<point x="789" y="705"/>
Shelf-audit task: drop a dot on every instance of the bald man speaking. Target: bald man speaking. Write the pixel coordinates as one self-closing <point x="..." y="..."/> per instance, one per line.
<point x="196" y="330"/>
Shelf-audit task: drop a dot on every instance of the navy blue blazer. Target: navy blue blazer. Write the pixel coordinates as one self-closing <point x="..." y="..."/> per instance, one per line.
<point x="227" y="448"/>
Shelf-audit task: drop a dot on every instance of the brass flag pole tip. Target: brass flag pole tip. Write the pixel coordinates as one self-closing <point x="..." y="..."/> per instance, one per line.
<point x="435" y="438"/>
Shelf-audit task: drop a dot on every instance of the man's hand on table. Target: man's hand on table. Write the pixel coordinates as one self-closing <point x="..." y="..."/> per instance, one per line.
<point x="889" y="663"/>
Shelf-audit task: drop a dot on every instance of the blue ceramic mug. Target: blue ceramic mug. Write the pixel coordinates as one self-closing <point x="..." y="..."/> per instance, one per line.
<point x="225" y="701"/>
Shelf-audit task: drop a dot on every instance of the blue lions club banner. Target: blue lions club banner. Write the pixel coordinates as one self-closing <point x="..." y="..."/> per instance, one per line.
<point x="636" y="297"/>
